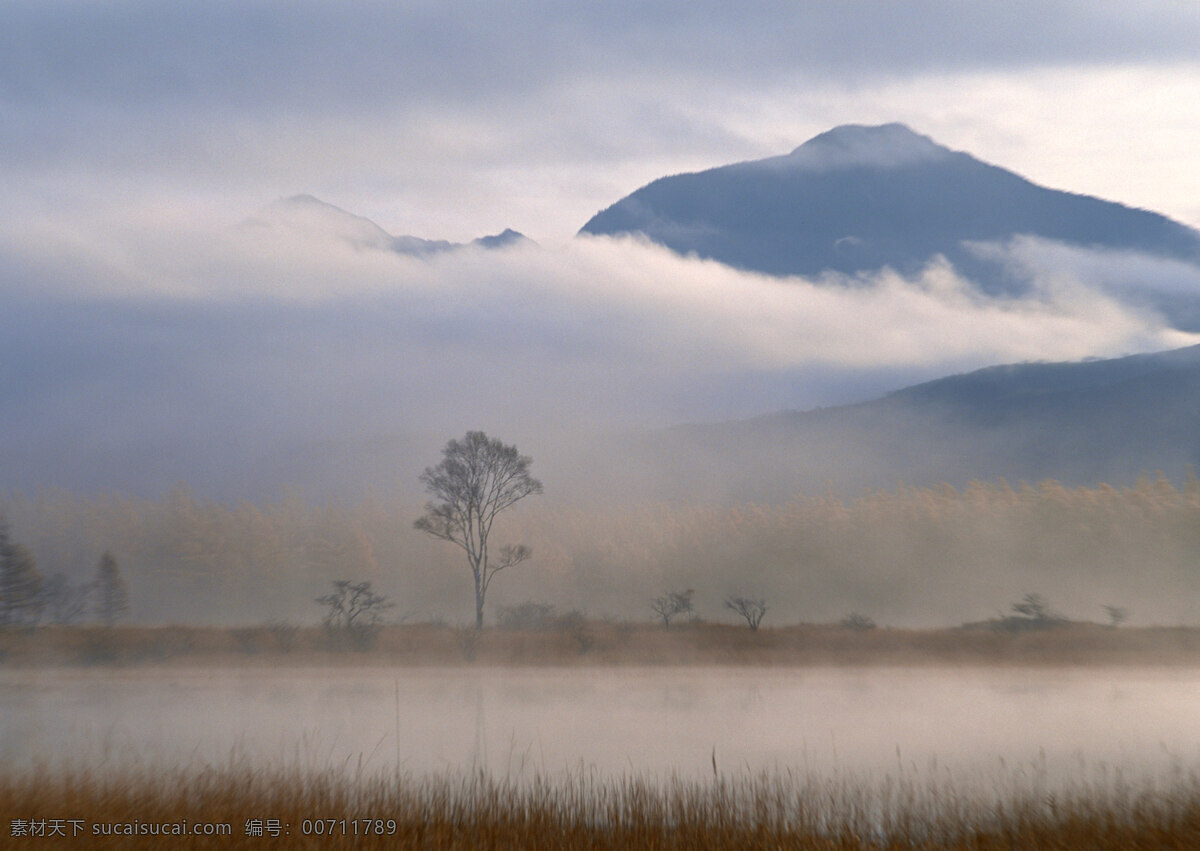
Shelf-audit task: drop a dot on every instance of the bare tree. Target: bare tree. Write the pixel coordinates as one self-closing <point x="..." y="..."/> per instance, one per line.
<point x="354" y="611"/>
<point x="111" y="596"/>
<point x="478" y="478"/>
<point x="671" y="604"/>
<point x="753" y="610"/>
<point x="1032" y="612"/>
<point x="664" y="607"/>
<point x="353" y="604"/>
<point x="528" y="615"/>
<point x="1037" y="608"/>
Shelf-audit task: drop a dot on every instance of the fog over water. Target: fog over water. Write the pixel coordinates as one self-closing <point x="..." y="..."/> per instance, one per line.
<point x="969" y="724"/>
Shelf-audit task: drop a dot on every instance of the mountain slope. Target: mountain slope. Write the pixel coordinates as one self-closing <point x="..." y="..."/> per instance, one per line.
<point x="857" y="198"/>
<point x="1081" y="423"/>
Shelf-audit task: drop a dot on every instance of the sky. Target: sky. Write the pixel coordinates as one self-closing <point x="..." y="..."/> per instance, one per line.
<point x="139" y="138"/>
<point x="451" y="121"/>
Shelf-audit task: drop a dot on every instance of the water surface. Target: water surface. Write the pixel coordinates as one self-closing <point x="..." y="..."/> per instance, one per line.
<point x="657" y="721"/>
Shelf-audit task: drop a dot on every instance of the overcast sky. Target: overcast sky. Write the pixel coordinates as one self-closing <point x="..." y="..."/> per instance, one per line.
<point x="136" y="137"/>
<point x="454" y="120"/>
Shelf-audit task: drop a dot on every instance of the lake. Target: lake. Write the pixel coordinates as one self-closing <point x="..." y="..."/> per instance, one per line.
<point x="610" y="721"/>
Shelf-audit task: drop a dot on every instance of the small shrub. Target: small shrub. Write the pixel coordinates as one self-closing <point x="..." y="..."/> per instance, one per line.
<point x="574" y="623"/>
<point x="528" y="615"/>
<point x="246" y="639"/>
<point x="858" y="622"/>
<point x="176" y="641"/>
<point x="97" y="648"/>
<point x="284" y="635"/>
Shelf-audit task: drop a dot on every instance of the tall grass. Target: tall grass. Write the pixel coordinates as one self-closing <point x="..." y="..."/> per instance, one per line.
<point x="1016" y="809"/>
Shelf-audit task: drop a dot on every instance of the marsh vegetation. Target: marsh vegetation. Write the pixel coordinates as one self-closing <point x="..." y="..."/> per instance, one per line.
<point x="616" y="758"/>
<point x="582" y="716"/>
<point x="800" y="811"/>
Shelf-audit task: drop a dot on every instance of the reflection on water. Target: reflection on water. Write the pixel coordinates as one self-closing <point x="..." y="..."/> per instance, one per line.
<point x="611" y="721"/>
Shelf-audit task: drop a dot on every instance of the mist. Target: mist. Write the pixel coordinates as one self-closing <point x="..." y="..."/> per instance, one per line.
<point x="977" y="730"/>
<point x="301" y="364"/>
<point x="909" y="557"/>
<point x="246" y="358"/>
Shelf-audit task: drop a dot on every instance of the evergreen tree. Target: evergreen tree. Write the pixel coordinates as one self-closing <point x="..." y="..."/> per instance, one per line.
<point x="111" y="596"/>
<point x="20" y="583"/>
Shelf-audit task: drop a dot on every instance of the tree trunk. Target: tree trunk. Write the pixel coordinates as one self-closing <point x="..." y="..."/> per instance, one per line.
<point x="478" y="602"/>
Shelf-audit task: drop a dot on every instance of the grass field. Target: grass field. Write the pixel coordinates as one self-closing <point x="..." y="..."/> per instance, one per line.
<point x="338" y="809"/>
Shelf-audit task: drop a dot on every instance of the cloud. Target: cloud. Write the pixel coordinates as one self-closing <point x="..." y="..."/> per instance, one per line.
<point x="136" y="357"/>
<point x="1143" y="282"/>
<point x="1121" y="273"/>
<point x="365" y="55"/>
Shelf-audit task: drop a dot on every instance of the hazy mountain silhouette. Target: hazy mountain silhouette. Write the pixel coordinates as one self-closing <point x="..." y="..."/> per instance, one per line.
<point x="1081" y="423"/>
<point x="307" y="214"/>
<point x="856" y="199"/>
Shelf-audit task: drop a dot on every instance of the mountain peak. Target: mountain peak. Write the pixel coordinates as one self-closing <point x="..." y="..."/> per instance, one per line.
<point x="882" y="145"/>
<point x="857" y="199"/>
<point x="501" y="240"/>
<point x="309" y="215"/>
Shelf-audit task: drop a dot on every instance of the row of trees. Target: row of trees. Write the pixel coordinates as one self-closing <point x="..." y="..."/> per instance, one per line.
<point x="919" y="556"/>
<point x="678" y="603"/>
<point x="1031" y="612"/>
<point x="26" y="599"/>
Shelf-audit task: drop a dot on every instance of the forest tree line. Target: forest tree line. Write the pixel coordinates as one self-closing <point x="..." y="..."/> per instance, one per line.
<point x="29" y="599"/>
<point x="906" y="556"/>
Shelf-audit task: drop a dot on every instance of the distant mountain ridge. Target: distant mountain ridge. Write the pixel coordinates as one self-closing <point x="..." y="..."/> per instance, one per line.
<point x="1081" y="423"/>
<point x="309" y="214"/>
<point x="858" y="198"/>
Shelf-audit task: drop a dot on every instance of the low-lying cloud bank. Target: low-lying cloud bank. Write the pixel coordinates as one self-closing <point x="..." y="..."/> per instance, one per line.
<point x="136" y="359"/>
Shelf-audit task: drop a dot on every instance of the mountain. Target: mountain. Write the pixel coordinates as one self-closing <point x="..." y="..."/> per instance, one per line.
<point x="1081" y="423"/>
<point x="500" y="240"/>
<point x="856" y="199"/>
<point x="307" y="215"/>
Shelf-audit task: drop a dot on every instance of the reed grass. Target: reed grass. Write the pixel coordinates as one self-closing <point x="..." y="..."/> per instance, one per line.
<point x="582" y="810"/>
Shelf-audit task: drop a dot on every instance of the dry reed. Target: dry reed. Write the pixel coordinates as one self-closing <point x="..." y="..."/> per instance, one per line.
<point x="345" y="808"/>
<point x="608" y="643"/>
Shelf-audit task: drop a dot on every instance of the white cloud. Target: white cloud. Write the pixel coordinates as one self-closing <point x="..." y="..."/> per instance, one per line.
<point x="623" y="305"/>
